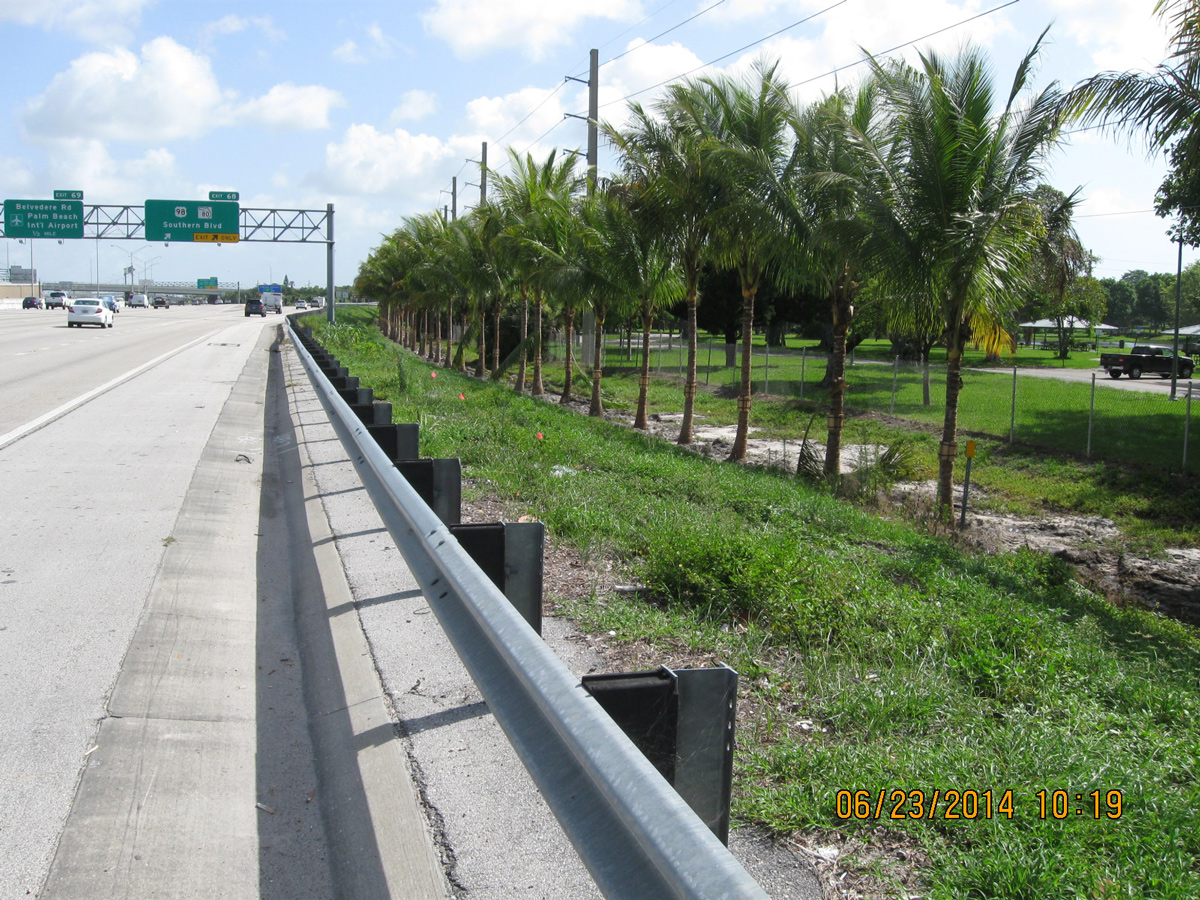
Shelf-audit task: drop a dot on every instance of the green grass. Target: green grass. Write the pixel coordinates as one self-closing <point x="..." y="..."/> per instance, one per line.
<point x="1146" y="429"/>
<point x="873" y="656"/>
<point x="1154" y="507"/>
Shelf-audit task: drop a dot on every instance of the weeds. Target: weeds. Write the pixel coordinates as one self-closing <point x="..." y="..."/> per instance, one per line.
<point x="873" y="656"/>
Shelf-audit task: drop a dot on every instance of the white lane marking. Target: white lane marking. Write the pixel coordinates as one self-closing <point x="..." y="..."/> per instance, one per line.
<point x="17" y="433"/>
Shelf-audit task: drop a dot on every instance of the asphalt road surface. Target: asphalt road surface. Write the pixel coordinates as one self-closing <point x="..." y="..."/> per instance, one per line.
<point x="105" y="515"/>
<point x="1150" y="384"/>
<point x="216" y="676"/>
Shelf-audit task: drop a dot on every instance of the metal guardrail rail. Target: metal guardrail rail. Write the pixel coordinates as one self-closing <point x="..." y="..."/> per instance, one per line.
<point x="637" y="837"/>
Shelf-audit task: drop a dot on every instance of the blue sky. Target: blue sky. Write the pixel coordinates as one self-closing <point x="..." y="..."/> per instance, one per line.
<point x="375" y="106"/>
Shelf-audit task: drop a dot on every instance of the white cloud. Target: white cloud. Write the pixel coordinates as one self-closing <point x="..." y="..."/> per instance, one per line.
<point x="233" y="24"/>
<point x="415" y="105"/>
<point x="87" y="162"/>
<point x="347" y="51"/>
<point x="474" y="27"/>
<point x="368" y="162"/>
<point x="96" y="21"/>
<point x="289" y="107"/>
<point x="1119" y="35"/>
<point x="16" y="178"/>
<point x="167" y="93"/>
<point x="378" y="46"/>
<point x="496" y="116"/>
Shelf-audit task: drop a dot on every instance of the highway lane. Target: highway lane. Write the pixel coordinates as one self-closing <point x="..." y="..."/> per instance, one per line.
<point x="91" y="502"/>
<point x="44" y="364"/>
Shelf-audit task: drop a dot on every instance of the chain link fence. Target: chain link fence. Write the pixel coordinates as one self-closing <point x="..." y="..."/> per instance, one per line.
<point x="1077" y="411"/>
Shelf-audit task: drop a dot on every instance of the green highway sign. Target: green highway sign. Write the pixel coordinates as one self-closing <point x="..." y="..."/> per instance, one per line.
<point x="223" y="195"/>
<point x="43" y="219"/>
<point x="192" y="220"/>
<point x="68" y="195"/>
<point x="206" y="283"/>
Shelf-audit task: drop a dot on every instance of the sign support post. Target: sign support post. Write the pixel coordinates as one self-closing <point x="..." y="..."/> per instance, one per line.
<point x="331" y="296"/>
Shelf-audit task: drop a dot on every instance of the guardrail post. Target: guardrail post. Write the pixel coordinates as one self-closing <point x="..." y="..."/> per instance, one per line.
<point x="398" y="441"/>
<point x="510" y="554"/>
<point x="377" y="412"/>
<point x="683" y="721"/>
<point x="439" y="484"/>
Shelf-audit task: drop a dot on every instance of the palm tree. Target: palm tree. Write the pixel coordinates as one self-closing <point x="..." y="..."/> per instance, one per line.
<point x="952" y="220"/>
<point x="746" y="128"/>
<point x="817" y="197"/>
<point x="662" y="160"/>
<point x="626" y="268"/>
<point x="532" y="201"/>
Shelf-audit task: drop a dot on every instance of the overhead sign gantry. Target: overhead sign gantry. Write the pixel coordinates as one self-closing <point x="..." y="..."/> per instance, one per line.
<point x="219" y="220"/>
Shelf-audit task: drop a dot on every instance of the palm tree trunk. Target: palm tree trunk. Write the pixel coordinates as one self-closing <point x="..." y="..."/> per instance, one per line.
<point x="738" y="453"/>
<point x="538" y="387"/>
<point x="569" y="362"/>
<point x="948" y="448"/>
<point x="496" y="338"/>
<point x="462" y="344"/>
<point x="644" y="382"/>
<point x="597" y="407"/>
<point x="520" y="386"/>
<point x="689" y="384"/>
<point x="437" y="337"/>
<point x="479" y="363"/>
<point x="926" y="400"/>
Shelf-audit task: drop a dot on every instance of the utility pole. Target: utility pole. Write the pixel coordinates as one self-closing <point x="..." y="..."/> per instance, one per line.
<point x="483" y="176"/>
<point x="593" y="145"/>
<point x="454" y="199"/>
<point x="593" y="116"/>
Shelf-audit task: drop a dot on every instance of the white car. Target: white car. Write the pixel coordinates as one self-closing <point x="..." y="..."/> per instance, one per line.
<point x="300" y="304"/>
<point x="139" y="301"/>
<point x="89" y="311"/>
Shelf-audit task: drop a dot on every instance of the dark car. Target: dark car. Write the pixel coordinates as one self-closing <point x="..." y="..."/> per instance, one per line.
<point x="32" y="303"/>
<point x="161" y="303"/>
<point x="255" y="308"/>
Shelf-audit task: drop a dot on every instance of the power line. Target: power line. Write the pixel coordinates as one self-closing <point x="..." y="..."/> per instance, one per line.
<point x="735" y="52"/>
<point x="834" y="71"/>
<point x="674" y="27"/>
<point x="1130" y="212"/>
<point x="616" y="38"/>
<point x="986" y="12"/>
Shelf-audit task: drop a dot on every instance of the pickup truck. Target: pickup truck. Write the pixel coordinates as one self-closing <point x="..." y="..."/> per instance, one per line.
<point x="1145" y="359"/>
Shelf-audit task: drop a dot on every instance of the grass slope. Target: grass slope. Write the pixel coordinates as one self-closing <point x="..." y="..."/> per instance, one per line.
<point x="873" y="656"/>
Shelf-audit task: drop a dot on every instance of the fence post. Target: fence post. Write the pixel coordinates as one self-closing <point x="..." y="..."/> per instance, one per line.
<point x="803" y="360"/>
<point x="767" y="369"/>
<point x="1187" y="426"/>
<point x="1012" y="418"/>
<point x="895" y="375"/>
<point x="1091" y="416"/>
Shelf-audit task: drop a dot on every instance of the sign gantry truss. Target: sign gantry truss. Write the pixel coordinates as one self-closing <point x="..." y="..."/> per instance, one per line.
<point x="297" y="226"/>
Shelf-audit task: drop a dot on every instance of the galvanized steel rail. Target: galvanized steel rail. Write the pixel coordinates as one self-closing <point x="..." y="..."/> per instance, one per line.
<point x="638" y="839"/>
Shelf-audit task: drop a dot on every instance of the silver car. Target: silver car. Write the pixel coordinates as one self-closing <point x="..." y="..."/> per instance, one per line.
<point x="89" y="311"/>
